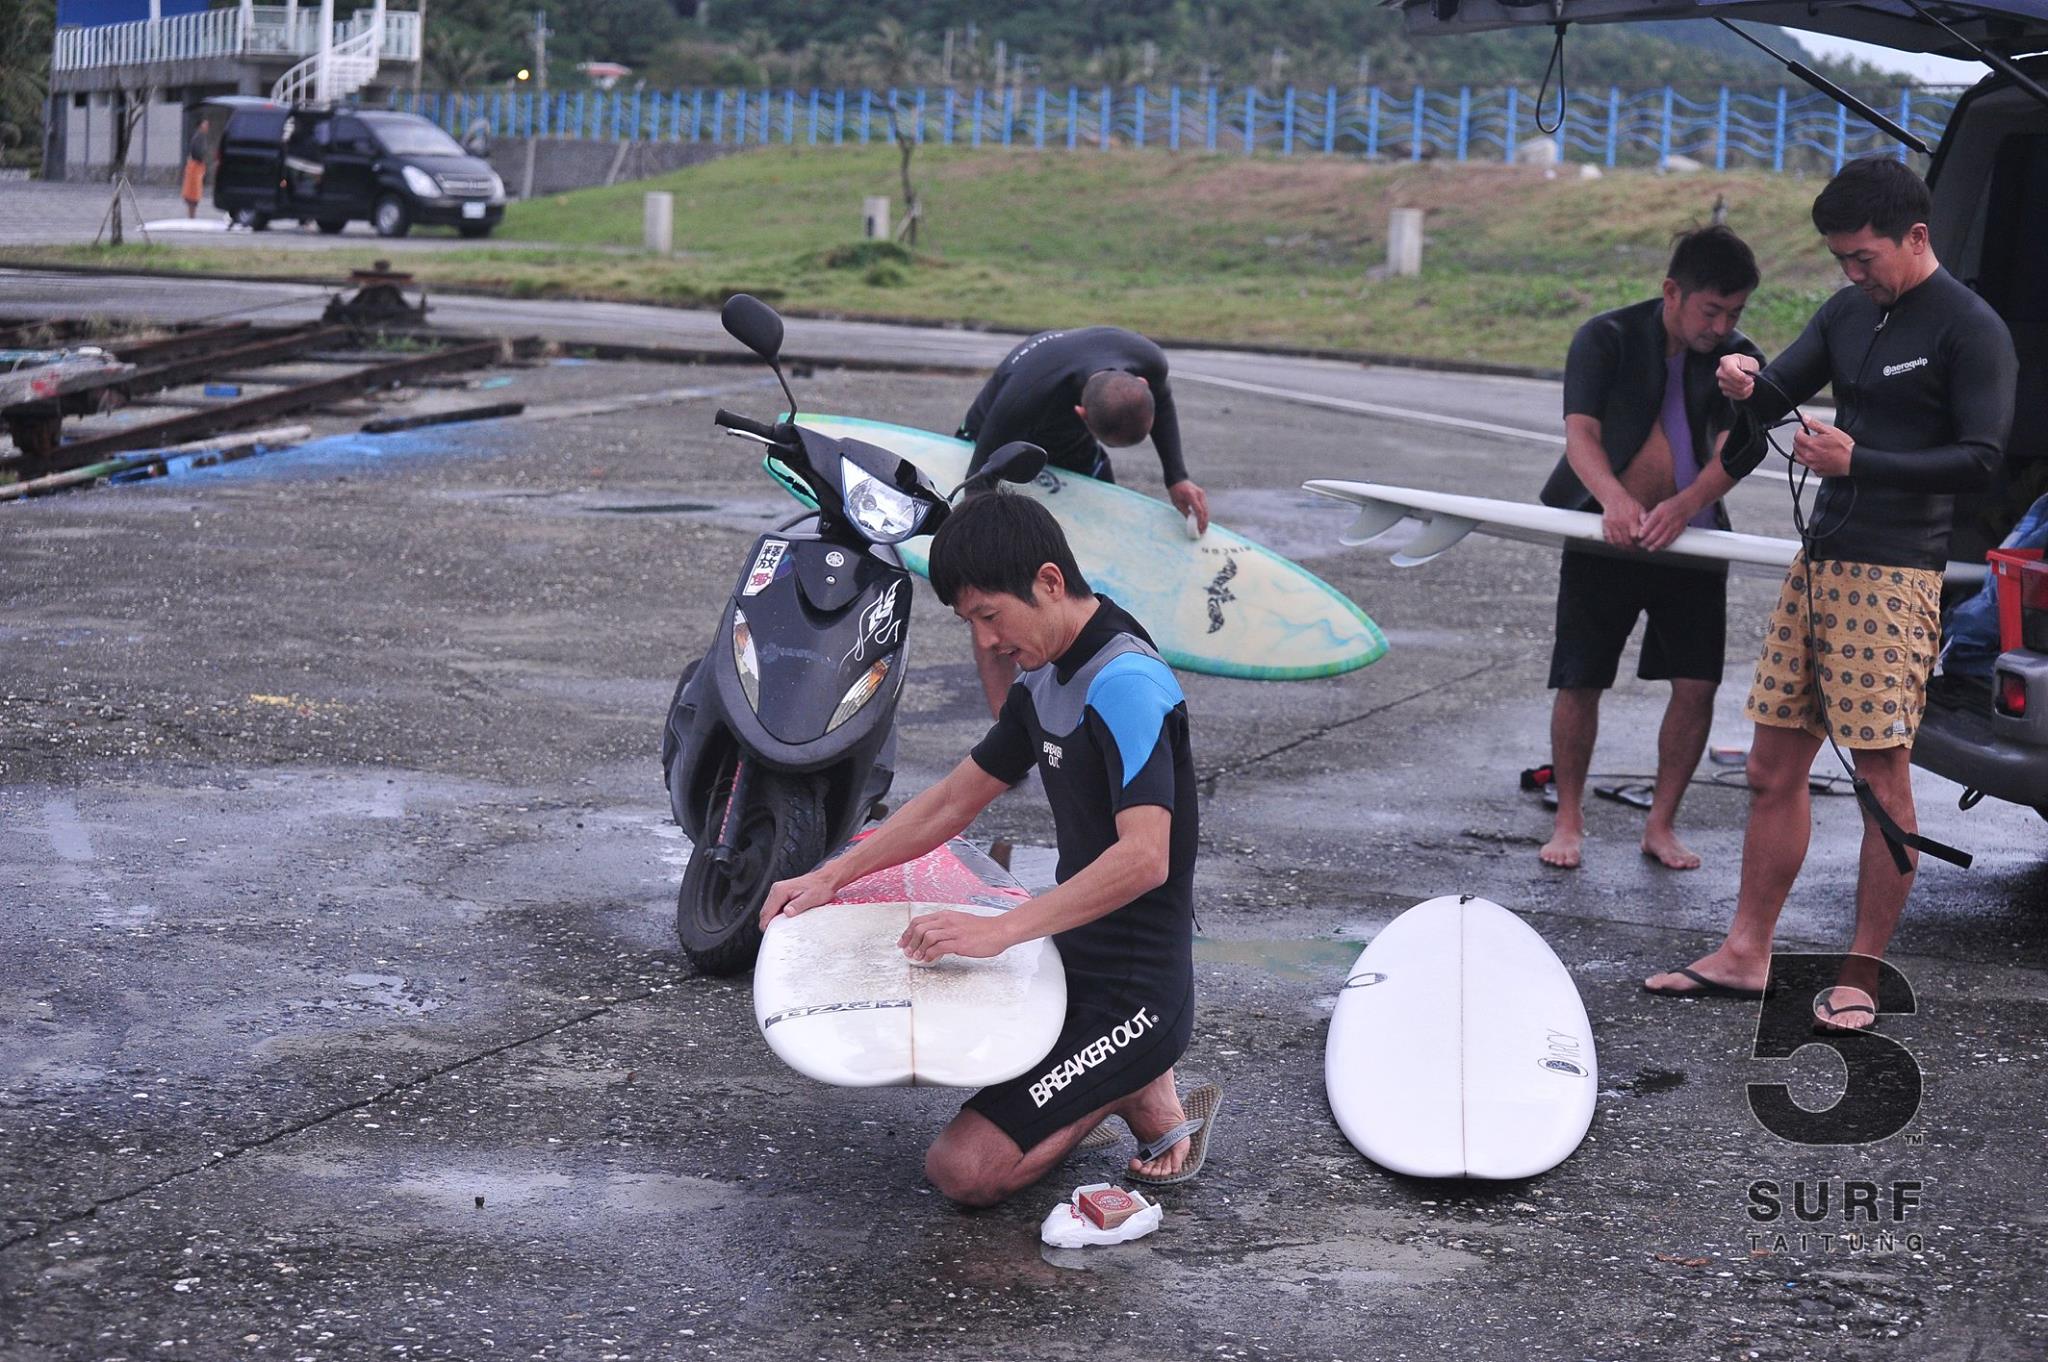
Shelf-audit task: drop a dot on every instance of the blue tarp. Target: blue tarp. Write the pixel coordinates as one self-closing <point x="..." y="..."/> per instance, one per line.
<point x="94" y="13"/>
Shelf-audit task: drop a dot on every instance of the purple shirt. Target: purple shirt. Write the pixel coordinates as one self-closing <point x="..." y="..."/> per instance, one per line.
<point x="1685" y="464"/>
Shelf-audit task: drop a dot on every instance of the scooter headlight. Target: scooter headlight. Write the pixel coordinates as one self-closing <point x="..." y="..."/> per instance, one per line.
<point x="746" y="659"/>
<point x="885" y="515"/>
<point x="862" y="691"/>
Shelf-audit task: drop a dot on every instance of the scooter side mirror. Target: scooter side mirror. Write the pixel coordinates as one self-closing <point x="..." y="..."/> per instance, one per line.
<point x="753" y="324"/>
<point x="1017" y="461"/>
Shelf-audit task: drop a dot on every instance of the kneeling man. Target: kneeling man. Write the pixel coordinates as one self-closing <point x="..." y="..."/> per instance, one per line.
<point x="1102" y="718"/>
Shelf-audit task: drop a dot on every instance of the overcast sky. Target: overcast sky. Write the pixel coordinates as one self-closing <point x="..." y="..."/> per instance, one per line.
<point x="1933" y="70"/>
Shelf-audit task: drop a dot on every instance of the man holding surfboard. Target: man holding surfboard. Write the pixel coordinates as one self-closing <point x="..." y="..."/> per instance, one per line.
<point x="1076" y="395"/>
<point x="1644" y="428"/>
<point x="1101" y="718"/>
<point x="1923" y="372"/>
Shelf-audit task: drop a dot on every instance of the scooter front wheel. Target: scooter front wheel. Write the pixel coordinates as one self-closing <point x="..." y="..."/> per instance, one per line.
<point x="781" y="834"/>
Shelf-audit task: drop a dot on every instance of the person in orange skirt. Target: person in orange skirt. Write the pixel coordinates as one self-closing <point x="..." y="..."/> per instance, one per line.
<point x="195" y="170"/>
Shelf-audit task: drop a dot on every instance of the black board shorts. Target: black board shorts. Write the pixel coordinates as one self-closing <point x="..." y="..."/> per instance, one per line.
<point x="1110" y="1047"/>
<point x="1599" y="598"/>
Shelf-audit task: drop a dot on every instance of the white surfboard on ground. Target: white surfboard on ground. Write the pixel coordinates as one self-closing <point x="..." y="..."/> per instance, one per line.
<point x="838" y="1001"/>
<point x="1460" y="1048"/>
<point x="1446" y="518"/>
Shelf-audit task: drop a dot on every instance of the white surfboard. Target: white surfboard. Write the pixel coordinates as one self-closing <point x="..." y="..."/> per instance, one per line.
<point x="1460" y="1048"/>
<point x="1447" y="517"/>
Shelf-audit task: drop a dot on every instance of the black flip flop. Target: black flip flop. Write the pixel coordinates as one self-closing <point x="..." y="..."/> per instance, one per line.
<point x="1825" y="1025"/>
<point x="1708" y="988"/>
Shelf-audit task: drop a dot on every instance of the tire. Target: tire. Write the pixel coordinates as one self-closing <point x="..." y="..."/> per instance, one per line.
<point x="473" y="230"/>
<point x="782" y="833"/>
<point x="332" y="226"/>
<point x="391" y="217"/>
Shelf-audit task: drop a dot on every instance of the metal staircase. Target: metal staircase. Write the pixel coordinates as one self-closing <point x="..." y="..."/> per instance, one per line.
<point x="338" y="70"/>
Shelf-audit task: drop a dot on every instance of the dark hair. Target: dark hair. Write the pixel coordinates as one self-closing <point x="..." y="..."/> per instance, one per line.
<point x="1118" y="406"/>
<point x="1712" y="258"/>
<point x="1877" y="192"/>
<point x="997" y="541"/>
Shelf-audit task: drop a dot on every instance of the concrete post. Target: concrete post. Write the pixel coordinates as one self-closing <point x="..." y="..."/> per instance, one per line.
<point x="875" y="217"/>
<point x="1404" y="241"/>
<point x="659" y="219"/>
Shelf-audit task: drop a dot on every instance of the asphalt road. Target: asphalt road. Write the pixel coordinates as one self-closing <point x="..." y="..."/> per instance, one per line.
<point x="340" y="1012"/>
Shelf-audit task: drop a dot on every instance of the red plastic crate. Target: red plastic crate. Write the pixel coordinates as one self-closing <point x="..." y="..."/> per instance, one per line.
<point x="2022" y="579"/>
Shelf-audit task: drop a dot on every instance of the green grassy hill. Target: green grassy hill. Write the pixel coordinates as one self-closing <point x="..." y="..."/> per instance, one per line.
<point x="1216" y="248"/>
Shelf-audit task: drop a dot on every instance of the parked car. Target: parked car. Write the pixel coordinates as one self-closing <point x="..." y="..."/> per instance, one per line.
<point x="1989" y="177"/>
<point x="332" y="167"/>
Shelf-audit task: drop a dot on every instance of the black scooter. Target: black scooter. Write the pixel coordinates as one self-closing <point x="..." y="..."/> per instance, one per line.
<point x="780" y="740"/>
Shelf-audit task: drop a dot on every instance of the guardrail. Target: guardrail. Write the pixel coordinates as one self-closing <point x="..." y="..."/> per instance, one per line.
<point x="1778" y="127"/>
<point x="269" y="30"/>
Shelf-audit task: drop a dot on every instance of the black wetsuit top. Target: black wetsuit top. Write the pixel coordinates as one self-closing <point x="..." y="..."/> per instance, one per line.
<point x="1107" y="727"/>
<point x="1033" y="393"/>
<point x="1926" y="392"/>
<point x="1616" y="372"/>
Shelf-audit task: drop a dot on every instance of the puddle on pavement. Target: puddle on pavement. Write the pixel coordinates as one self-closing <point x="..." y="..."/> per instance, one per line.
<point x="658" y="508"/>
<point x="368" y="991"/>
<point x="458" y="1189"/>
<point x="1324" y="958"/>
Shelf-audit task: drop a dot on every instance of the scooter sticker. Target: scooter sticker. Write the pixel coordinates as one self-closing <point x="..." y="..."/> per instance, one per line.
<point x="880" y="625"/>
<point x="765" y="563"/>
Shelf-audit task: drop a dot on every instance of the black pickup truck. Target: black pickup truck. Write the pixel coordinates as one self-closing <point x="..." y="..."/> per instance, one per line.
<point x="1989" y="177"/>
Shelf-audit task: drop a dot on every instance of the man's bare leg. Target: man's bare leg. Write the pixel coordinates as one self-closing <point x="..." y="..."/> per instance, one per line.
<point x="1680" y="742"/>
<point x="1881" y="890"/>
<point x="1773" y="848"/>
<point x="974" y="1163"/>
<point x="998" y="674"/>
<point x="1574" y="724"/>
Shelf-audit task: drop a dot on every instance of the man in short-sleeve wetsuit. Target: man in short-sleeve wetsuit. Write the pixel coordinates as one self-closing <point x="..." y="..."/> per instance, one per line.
<point x="1644" y="429"/>
<point x="1101" y="718"/>
<point x="1923" y="374"/>
<point x="1076" y="394"/>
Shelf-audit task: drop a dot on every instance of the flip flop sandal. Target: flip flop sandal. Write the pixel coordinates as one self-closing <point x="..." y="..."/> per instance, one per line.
<point x="1102" y="1137"/>
<point x="1202" y="1104"/>
<point x="1826" y="1026"/>
<point x="1708" y="988"/>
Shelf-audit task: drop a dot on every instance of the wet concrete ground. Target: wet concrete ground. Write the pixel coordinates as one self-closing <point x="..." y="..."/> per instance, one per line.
<point x="340" y="1012"/>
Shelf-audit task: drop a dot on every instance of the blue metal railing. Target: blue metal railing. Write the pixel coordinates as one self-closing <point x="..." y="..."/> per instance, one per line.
<point x="1728" y="129"/>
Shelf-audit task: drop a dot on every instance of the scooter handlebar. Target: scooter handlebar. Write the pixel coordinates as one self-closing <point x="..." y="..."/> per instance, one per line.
<point x="746" y="425"/>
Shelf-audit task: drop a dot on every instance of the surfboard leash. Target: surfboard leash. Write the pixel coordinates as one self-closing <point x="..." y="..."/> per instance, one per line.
<point x="1896" y="838"/>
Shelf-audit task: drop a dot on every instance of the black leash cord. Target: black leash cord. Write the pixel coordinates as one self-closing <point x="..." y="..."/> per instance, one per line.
<point x="1556" y="64"/>
<point x="1896" y="838"/>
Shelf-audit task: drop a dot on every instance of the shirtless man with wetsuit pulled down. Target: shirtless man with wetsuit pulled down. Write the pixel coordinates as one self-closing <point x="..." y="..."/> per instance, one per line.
<point x="1077" y="394"/>
<point x="1923" y="373"/>
<point x="1644" y="426"/>
<point x="1101" y="718"/>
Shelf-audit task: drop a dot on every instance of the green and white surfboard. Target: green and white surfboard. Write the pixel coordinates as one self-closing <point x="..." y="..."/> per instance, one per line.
<point x="1219" y="605"/>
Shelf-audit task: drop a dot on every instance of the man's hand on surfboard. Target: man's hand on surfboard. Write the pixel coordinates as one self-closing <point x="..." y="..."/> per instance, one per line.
<point x="787" y="898"/>
<point x="1621" y="520"/>
<point x="1189" y="499"/>
<point x="933" y="935"/>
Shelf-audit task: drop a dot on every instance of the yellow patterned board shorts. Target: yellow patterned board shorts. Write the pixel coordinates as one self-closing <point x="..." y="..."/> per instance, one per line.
<point x="1877" y="631"/>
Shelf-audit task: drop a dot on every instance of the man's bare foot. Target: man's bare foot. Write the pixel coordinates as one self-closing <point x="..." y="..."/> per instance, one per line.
<point x="1665" y="848"/>
<point x="1563" y="850"/>
<point x="1150" y="1112"/>
<point x="1721" y="970"/>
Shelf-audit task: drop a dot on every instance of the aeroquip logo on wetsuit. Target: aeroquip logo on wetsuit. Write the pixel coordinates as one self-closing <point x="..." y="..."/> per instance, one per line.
<point x="1088" y="1056"/>
<point x="1894" y="370"/>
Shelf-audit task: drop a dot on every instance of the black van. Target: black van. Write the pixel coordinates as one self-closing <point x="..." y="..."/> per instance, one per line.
<point x="1989" y="178"/>
<point x="332" y="167"/>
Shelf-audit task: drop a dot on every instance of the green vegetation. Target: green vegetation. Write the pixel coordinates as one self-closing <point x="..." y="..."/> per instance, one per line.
<point x="1213" y="248"/>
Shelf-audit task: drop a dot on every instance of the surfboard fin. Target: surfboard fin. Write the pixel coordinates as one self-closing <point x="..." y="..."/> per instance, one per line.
<point x="1375" y="518"/>
<point x="1438" y="533"/>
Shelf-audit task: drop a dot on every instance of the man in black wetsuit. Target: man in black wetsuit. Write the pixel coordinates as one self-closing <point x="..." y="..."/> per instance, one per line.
<point x="1644" y="425"/>
<point x="1076" y="394"/>
<point x="1102" y="719"/>
<point x="1923" y="373"/>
